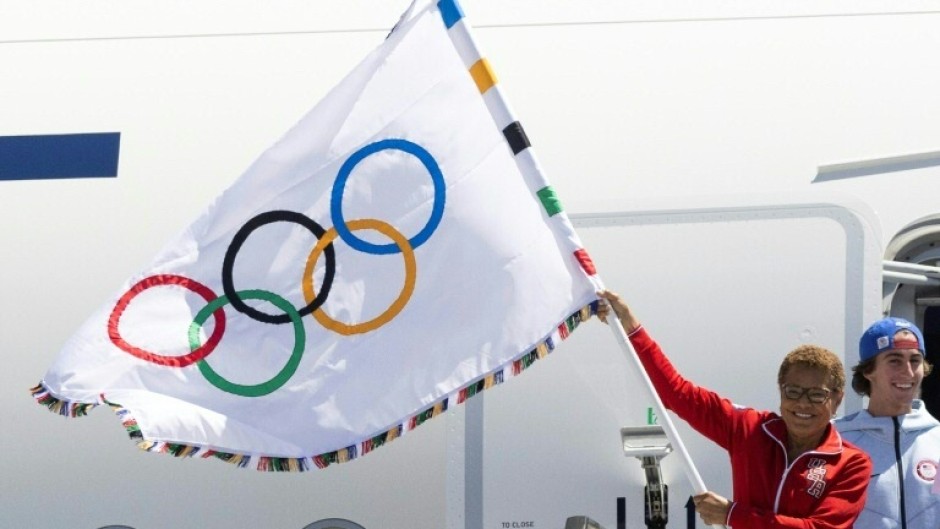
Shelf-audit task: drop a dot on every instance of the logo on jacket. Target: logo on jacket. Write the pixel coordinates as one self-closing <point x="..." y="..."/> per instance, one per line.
<point x="926" y="470"/>
<point x="816" y="475"/>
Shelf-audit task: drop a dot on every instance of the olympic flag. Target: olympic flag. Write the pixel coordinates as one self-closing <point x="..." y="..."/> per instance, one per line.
<point x="396" y="252"/>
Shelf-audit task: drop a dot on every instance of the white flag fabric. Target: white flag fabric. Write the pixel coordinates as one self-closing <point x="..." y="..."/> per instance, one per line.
<point x="396" y="252"/>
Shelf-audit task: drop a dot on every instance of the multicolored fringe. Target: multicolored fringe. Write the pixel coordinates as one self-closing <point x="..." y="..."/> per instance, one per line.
<point x="62" y="407"/>
<point x="339" y="456"/>
<point x="239" y="460"/>
<point x="485" y="383"/>
<point x="301" y="464"/>
<point x="385" y="437"/>
<point x="283" y="464"/>
<point x="133" y="430"/>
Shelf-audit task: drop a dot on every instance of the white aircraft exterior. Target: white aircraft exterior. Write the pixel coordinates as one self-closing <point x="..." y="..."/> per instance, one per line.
<point x="750" y="176"/>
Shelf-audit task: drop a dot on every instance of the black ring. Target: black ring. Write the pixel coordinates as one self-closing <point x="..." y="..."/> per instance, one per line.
<point x="228" y="264"/>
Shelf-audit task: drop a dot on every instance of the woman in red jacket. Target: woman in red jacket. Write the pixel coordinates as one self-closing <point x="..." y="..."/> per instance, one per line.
<point x="787" y="470"/>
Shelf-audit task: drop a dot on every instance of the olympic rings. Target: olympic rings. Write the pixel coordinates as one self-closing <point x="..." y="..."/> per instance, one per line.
<point x="172" y="361"/>
<point x="241" y="236"/>
<point x="283" y="375"/>
<point x="342" y="228"/>
<point x="396" y="306"/>
<point x="336" y="200"/>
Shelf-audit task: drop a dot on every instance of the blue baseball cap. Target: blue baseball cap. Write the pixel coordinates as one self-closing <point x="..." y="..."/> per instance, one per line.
<point x="880" y="338"/>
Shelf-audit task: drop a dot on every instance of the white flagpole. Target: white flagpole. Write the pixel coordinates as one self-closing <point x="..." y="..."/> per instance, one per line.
<point x="499" y="109"/>
<point x="698" y="486"/>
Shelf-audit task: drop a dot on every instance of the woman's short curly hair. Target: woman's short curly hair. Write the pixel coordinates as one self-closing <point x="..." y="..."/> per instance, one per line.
<point x="816" y="357"/>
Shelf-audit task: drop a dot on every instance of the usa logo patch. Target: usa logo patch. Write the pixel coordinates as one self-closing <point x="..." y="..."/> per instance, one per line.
<point x="926" y="470"/>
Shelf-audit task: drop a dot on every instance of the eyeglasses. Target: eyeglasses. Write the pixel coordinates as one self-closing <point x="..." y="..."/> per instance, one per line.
<point x="815" y="395"/>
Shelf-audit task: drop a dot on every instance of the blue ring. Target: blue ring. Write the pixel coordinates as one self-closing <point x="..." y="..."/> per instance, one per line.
<point x="339" y="186"/>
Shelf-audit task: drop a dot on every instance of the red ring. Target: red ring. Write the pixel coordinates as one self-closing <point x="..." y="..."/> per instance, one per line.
<point x="171" y="361"/>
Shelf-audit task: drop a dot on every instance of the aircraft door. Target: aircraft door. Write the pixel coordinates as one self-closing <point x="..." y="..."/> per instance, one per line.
<point x="912" y="290"/>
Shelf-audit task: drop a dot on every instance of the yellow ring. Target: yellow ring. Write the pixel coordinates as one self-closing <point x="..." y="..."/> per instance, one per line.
<point x="411" y="268"/>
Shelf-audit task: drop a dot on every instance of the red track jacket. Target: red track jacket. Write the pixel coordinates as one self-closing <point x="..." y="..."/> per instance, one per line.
<point x="823" y="488"/>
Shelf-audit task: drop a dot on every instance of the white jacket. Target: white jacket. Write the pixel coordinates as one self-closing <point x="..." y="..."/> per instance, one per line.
<point x="911" y="441"/>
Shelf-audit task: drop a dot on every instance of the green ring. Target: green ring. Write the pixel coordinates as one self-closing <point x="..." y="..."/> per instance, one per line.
<point x="279" y="379"/>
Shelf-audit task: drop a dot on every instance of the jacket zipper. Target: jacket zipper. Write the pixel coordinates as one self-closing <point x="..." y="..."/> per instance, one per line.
<point x="897" y="457"/>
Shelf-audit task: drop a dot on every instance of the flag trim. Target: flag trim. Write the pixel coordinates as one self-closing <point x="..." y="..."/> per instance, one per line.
<point x="273" y="463"/>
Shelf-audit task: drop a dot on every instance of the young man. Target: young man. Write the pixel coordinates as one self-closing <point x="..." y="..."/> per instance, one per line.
<point x="896" y="430"/>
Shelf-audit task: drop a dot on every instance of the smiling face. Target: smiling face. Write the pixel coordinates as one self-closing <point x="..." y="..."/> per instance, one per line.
<point x="806" y="420"/>
<point x="895" y="380"/>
